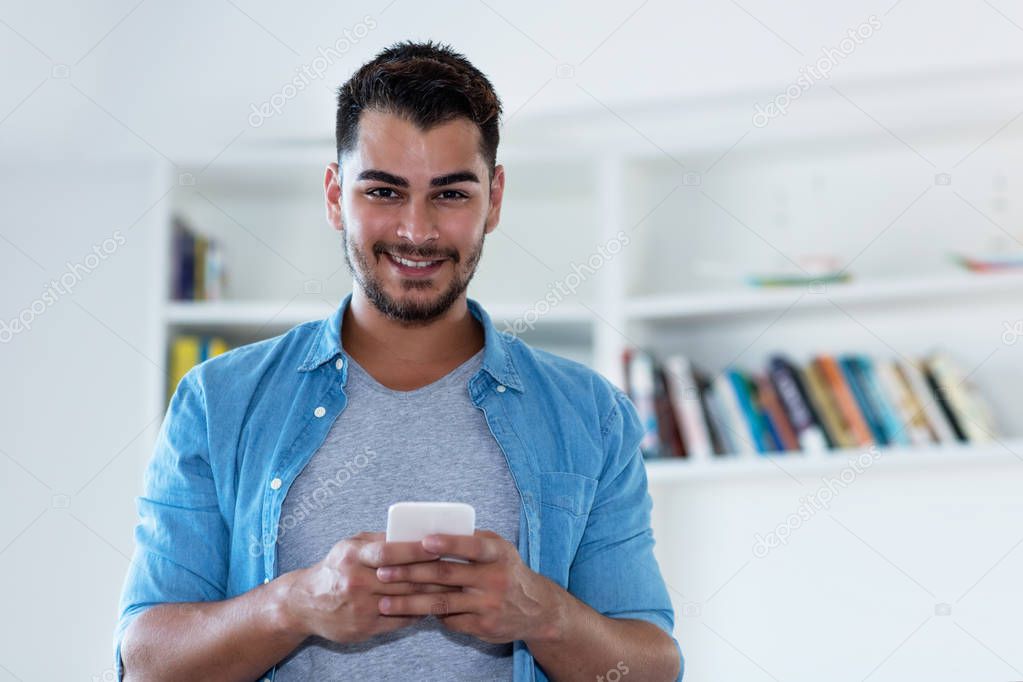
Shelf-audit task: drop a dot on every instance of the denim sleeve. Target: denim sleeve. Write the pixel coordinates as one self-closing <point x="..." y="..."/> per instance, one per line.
<point x="614" y="570"/>
<point x="181" y="539"/>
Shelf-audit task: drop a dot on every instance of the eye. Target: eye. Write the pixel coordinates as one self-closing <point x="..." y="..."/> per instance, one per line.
<point x="382" y="193"/>
<point x="453" y="194"/>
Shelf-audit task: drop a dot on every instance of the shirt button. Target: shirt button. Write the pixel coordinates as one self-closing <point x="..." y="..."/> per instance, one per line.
<point x="320" y="411"/>
<point x="275" y="484"/>
<point x="339" y="364"/>
<point x="500" y="388"/>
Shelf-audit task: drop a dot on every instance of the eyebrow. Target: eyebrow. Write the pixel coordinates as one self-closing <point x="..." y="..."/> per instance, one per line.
<point x="397" y="180"/>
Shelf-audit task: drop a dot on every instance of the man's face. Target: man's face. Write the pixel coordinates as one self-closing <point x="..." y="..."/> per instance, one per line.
<point x="414" y="207"/>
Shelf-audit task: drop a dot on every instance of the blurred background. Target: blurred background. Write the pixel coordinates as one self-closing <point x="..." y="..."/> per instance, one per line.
<point x="702" y="199"/>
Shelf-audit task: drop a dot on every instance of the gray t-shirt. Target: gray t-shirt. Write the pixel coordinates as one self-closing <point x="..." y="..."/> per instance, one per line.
<point x="387" y="446"/>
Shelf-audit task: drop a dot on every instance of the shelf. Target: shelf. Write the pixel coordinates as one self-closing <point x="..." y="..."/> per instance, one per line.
<point x="753" y="301"/>
<point x="796" y="464"/>
<point x="663" y="307"/>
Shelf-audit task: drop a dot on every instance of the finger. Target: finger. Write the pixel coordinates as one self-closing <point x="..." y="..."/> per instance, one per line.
<point x="429" y="604"/>
<point x="483" y="547"/>
<point x="381" y="553"/>
<point x="436" y="572"/>
<point x="411" y="588"/>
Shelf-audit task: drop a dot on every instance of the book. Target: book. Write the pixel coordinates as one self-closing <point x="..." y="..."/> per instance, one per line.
<point x="214" y="271"/>
<point x="849" y="411"/>
<point x="182" y="262"/>
<point x="792" y="394"/>
<point x="199" y="269"/>
<point x="826" y="407"/>
<point x="926" y="401"/>
<point x="853" y="374"/>
<point x="668" y="435"/>
<point x="903" y="402"/>
<point x="184" y="354"/>
<point x="775" y="412"/>
<point x="197" y="264"/>
<point x="878" y="413"/>
<point x="187" y="351"/>
<point x="720" y="434"/>
<point x="641" y="381"/>
<point x="890" y="421"/>
<point x="764" y="436"/>
<point x="688" y="407"/>
<point x="739" y="429"/>
<point x="968" y="414"/>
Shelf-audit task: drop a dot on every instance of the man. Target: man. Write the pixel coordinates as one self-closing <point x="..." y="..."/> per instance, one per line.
<point x="259" y="549"/>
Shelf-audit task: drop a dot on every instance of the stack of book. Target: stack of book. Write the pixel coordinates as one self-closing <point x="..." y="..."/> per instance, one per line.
<point x="830" y="402"/>
<point x="188" y="350"/>
<point x="197" y="265"/>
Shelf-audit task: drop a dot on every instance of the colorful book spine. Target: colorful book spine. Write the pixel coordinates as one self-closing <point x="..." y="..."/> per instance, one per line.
<point x="776" y="414"/>
<point x="848" y="408"/>
<point x="641" y="381"/>
<point x="187" y="351"/>
<point x="792" y="394"/>
<point x="849" y="401"/>
<point x="668" y="432"/>
<point x="184" y="354"/>
<point x="969" y="414"/>
<point x="853" y="373"/>
<point x="827" y="407"/>
<point x="684" y="393"/>
<point x="197" y="265"/>
<point x="717" y="424"/>
<point x="927" y="401"/>
<point x="887" y="414"/>
<point x="738" y="429"/>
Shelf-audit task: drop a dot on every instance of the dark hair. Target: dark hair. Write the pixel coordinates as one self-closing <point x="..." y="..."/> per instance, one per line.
<point x="426" y="83"/>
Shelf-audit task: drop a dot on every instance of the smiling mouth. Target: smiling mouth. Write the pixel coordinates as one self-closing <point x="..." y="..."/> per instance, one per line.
<point x="411" y="267"/>
<point x="412" y="263"/>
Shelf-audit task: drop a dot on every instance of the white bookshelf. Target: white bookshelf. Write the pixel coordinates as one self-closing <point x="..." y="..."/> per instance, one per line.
<point x="667" y="471"/>
<point x="573" y="191"/>
<point x="956" y="286"/>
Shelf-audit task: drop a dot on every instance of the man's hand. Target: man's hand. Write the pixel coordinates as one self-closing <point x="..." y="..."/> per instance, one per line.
<point x="500" y="600"/>
<point x="337" y="598"/>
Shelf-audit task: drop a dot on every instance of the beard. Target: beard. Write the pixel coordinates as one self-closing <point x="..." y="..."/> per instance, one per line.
<point x="411" y="312"/>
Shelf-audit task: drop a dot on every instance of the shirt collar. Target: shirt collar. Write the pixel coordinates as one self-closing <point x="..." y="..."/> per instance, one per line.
<point x="497" y="359"/>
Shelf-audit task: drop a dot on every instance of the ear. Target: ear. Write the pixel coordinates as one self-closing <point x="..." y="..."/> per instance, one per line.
<point x="496" y="197"/>
<point x="332" y="196"/>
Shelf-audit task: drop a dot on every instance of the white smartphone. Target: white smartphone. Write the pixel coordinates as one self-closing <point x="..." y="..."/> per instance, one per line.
<point x="413" y="521"/>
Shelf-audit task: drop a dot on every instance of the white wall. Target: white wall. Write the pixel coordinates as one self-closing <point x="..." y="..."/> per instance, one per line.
<point x="76" y="413"/>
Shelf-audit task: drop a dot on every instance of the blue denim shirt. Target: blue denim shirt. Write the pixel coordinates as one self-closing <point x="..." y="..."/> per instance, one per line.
<point x="241" y="426"/>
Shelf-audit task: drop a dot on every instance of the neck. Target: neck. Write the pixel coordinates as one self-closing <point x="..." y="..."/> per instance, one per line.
<point x="368" y="333"/>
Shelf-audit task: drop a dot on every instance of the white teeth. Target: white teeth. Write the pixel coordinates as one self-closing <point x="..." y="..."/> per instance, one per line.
<point x="412" y="263"/>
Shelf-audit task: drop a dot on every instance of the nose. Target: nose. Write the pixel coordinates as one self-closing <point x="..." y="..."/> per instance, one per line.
<point x="418" y="222"/>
